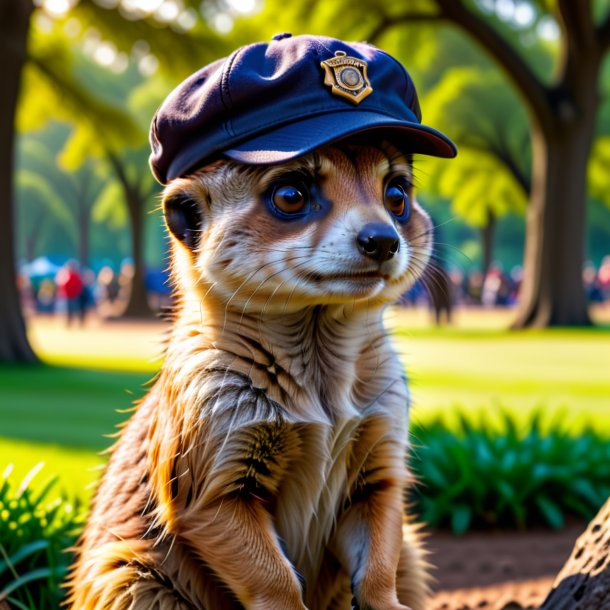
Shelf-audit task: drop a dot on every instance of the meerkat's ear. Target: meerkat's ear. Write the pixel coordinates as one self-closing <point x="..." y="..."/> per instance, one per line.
<point x="184" y="218"/>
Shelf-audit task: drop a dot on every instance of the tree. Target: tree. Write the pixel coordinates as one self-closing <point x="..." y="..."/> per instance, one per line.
<point x="563" y="119"/>
<point x="69" y="196"/>
<point x="123" y="25"/>
<point x="138" y="188"/>
<point x="36" y="194"/>
<point x="14" y="23"/>
<point x="129" y="164"/>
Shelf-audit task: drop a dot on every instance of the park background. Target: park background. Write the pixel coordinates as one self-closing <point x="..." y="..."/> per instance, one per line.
<point x="516" y="387"/>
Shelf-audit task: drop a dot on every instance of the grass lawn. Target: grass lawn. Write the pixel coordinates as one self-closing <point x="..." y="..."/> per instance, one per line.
<point x="59" y="413"/>
<point x="474" y="368"/>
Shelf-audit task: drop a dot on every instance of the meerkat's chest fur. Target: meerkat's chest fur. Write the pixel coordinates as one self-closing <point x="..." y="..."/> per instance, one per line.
<point x="293" y="415"/>
<point x="266" y="468"/>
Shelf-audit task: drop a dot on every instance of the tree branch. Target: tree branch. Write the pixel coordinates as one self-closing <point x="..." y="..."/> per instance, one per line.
<point x="388" y="22"/>
<point x="518" y="71"/>
<point x="119" y="169"/>
<point x="577" y="20"/>
<point x="511" y="165"/>
<point x="504" y="158"/>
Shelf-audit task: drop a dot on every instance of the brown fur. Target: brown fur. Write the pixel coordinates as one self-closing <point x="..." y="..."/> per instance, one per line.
<point x="266" y="467"/>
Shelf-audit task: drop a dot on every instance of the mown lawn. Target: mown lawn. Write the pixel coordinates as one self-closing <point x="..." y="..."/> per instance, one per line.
<point x="60" y="415"/>
<point x="563" y="372"/>
<point x="59" y="412"/>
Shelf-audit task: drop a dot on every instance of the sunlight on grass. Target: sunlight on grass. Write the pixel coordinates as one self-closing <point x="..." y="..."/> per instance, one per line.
<point x="479" y="367"/>
<point x="120" y="346"/>
<point x="79" y="468"/>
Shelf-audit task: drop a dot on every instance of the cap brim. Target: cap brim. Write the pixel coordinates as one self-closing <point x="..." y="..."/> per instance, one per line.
<point x="297" y="139"/>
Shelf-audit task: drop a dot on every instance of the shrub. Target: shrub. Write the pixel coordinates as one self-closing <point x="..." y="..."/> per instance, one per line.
<point x="473" y="475"/>
<point x="36" y="528"/>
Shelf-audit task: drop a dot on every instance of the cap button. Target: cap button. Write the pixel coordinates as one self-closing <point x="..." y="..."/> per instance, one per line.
<point x="282" y="36"/>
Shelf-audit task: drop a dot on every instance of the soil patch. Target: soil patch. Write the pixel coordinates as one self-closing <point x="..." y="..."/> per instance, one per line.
<point x="498" y="569"/>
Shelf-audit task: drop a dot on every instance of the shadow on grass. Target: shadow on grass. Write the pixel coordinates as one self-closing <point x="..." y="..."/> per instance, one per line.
<point x="69" y="406"/>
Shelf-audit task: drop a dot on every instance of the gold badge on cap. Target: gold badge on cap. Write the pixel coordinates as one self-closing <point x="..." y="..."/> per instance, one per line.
<point x="347" y="77"/>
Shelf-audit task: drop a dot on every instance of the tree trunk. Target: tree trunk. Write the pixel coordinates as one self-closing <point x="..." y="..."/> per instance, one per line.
<point x="584" y="581"/>
<point x="487" y="239"/>
<point x="553" y="293"/>
<point x="137" y="305"/>
<point x="14" y="26"/>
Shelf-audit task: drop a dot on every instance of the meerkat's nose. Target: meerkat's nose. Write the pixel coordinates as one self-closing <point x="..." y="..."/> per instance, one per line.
<point x="378" y="241"/>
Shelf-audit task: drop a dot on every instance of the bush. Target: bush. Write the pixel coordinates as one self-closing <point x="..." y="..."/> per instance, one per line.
<point x="36" y="528"/>
<point x="472" y="475"/>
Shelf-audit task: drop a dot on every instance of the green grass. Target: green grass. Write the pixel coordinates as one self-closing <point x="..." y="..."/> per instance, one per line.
<point x="59" y="413"/>
<point x="560" y="371"/>
<point x="38" y="526"/>
<point x="79" y="468"/>
<point x="63" y="416"/>
<point x="67" y="406"/>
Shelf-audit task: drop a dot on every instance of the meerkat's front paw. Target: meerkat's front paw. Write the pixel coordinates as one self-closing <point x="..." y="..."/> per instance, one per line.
<point x="377" y="598"/>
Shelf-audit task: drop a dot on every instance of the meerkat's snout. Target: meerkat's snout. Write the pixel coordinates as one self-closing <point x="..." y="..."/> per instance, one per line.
<point x="378" y="241"/>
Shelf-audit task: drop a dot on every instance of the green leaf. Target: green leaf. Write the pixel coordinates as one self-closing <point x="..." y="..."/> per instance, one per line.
<point x="460" y="519"/>
<point x="25" y="551"/>
<point x="587" y="491"/>
<point x="37" y="574"/>
<point x="551" y="511"/>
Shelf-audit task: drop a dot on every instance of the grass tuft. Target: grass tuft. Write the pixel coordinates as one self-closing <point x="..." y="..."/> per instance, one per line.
<point x="37" y="525"/>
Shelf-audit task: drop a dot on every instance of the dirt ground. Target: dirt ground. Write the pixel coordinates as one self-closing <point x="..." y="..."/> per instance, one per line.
<point x="498" y="570"/>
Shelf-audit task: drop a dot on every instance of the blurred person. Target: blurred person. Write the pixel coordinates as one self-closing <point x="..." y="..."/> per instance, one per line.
<point x="458" y="285"/>
<point x="125" y="279"/>
<point x="87" y="295"/>
<point x="475" y="287"/>
<point x="45" y="296"/>
<point x="496" y="288"/>
<point x="603" y="276"/>
<point x="26" y="293"/>
<point x="516" y="278"/>
<point x="69" y="289"/>
<point x="108" y="285"/>
<point x="592" y="284"/>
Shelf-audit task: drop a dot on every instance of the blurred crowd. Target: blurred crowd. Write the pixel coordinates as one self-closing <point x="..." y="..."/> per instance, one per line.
<point x="497" y="288"/>
<point x="77" y="292"/>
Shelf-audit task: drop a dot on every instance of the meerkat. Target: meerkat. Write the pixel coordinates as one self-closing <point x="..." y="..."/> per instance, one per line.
<point x="266" y="467"/>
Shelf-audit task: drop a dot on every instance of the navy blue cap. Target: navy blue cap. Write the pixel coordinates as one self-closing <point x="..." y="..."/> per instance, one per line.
<point x="270" y="102"/>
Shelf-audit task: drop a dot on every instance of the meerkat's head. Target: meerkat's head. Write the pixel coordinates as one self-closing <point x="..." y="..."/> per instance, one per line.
<point x="288" y="176"/>
<point x="337" y="225"/>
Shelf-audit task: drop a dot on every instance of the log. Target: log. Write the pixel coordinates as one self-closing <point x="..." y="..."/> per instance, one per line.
<point x="584" y="581"/>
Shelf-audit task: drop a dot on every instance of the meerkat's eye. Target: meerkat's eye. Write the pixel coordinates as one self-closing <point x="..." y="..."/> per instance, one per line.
<point x="396" y="198"/>
<point x="290" y="198"/>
